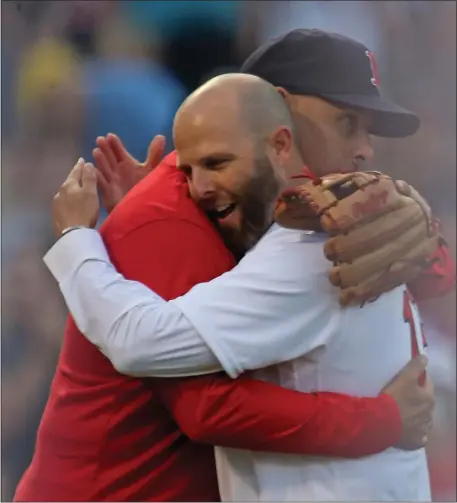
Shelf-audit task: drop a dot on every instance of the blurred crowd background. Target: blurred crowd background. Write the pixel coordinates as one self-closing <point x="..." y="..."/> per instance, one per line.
<point x="71" y="70"/>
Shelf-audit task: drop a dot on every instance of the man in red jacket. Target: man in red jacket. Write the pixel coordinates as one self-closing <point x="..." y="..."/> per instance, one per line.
<point x="108" y="437"/>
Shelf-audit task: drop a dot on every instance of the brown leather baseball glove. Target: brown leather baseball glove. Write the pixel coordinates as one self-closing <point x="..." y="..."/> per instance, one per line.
<point x="381" y="231"/>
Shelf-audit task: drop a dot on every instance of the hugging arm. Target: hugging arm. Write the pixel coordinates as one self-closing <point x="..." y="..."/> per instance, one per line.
<point x="201" y="331"/>
<point x="248" y="414"/>
<point x="212" y="408"/>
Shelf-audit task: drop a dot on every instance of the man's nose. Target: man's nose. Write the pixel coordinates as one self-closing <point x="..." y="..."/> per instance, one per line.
<point x="364" y="151"/>
<point x="202" y="184"/>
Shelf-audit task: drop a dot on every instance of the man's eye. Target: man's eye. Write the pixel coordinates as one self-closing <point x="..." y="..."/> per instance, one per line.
<point x="214" y="164"/>
<point x="187" y="170"/>
<point x="351" y="124"/>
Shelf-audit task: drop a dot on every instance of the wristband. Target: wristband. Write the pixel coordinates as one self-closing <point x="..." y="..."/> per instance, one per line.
<point x="72" y="228"/>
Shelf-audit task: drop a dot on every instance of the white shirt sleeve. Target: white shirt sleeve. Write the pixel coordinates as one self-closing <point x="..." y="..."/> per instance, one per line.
<point x="132" y="326"/>
<point x="275" y="305"/>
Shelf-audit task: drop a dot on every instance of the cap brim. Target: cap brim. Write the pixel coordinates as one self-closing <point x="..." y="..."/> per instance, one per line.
<point x="389" y="120"/>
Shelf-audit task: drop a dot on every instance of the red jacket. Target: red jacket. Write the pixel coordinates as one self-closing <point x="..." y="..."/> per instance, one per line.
<point x="108" y="437"/>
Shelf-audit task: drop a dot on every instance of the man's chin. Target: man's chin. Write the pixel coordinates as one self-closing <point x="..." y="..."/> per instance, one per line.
<point x="230" y="230"/>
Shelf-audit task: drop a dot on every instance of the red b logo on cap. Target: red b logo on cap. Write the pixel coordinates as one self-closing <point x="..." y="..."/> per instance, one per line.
<point x="374" y="68"/>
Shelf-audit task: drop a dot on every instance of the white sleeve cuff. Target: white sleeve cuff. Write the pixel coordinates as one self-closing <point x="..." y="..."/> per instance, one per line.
<point x="72" y="249"/>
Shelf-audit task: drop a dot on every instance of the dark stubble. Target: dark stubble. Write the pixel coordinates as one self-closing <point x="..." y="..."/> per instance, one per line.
<point x="256" y="201"/>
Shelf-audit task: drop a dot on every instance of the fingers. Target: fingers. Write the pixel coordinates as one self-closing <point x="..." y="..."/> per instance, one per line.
<point x="428" y="390"/>
<point x="416" y="367"/>
<point x="76" y="203"/>
<point x="103" y="183"/>
<point x="413" y="369"/>
<point x="82" y="176"/>
<point x="155" y="152"/>
<point x="89" y="177"/>
<point x="105" y="188"/>
<point x="119" y="151"/>
<point x="428" y="385"/>
<point x="107" y="150"/>
<point x="76" y="173"/>
<point x="403" y="187"/>
<point x="410" y="372"/>
<point x="102" y="164"/>
<point x="415" y="372"/>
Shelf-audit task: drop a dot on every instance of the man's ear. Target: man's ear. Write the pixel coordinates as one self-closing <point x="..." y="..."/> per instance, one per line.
<point x="281" y="143"/>
<point x="284" y="94"/>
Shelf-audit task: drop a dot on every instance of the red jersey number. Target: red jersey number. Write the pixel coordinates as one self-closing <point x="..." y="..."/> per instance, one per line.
<point x="408" y="303"/>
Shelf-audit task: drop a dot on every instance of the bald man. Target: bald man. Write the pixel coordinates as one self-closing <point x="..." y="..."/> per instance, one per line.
<point x="240" y="199"/>
<point x="257" y="315"/>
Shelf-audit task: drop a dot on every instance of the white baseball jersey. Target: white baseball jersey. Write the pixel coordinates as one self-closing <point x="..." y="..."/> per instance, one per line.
<point x="353" y="350"/>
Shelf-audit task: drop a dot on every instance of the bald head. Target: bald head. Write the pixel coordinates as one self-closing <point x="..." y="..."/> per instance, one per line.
<point x="242" y="101"/>
<point x="234" y="141"/>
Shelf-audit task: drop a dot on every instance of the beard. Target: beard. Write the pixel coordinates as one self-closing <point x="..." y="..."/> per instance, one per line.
<point x="256" y="202"/>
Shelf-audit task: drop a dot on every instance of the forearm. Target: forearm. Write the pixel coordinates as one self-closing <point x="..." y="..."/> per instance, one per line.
<point x="145" y="336"/>
<point x="140" y="333"/>
<point x="258" y="416"/>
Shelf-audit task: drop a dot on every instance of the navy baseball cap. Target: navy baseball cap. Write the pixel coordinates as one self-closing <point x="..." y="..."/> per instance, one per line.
<point x="335" y="68"/>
